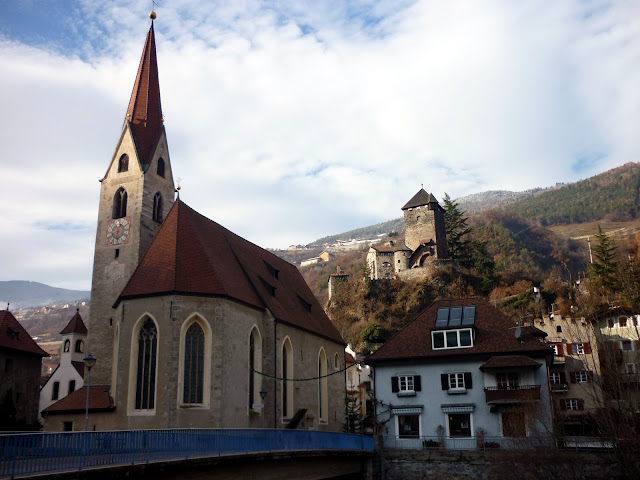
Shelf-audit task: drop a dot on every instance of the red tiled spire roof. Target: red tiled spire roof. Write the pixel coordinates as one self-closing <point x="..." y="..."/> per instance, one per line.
<point x="99" y="400"/>
<point x="192" y="255"/>
<point x="15" y="337"/>
<point x="75" y="325"/>
<point x="145" y="111"/>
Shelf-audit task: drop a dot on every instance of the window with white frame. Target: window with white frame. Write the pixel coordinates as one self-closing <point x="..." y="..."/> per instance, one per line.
<point x="508" y="380"/>
<point x="405" y="383"/>
<point x="461" y="338"/>
<point x="555" y="349"/>
<point x="578" y="348"/>
<point x="556" y="378"/>
<point x="571" y="404"/>
<point x="582" y="377"/>
<point x="456" y="380"/>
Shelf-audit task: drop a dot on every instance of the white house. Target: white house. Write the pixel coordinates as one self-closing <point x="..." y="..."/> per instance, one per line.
<point x="69" y="375"/>
<point x="461" y="372"/>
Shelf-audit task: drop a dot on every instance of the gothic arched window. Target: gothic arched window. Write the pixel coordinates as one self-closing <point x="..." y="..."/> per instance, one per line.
<point x="323" y="404"/>
<point x="287" y="376"/>
<point x="193" y="364"/>
<point x="160" y="170"/>
<point x="123" y="163"/>
<point x="255" y="365"/>
<point x="146" y="368"/>
<point x="157" y="207"/>
<point x="119" y="204"/>
<point x="79" y="346"/>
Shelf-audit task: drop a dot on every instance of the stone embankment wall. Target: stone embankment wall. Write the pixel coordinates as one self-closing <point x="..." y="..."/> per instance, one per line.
<point x="501" y="465"/>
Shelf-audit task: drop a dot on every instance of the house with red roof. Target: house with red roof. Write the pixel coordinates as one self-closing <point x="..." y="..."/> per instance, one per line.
<point x="20" y="362"/>
<point x="191" y="325"/>
<point x="460" y="372"/>
<point x="69" y="374"/>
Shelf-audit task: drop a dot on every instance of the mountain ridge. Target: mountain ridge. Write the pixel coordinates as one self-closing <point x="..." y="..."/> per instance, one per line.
<point x="613" y="194"/>
<point x="26" y="294"/>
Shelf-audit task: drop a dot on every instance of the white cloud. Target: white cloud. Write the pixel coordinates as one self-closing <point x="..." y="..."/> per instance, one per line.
<point x="290" y="121"/>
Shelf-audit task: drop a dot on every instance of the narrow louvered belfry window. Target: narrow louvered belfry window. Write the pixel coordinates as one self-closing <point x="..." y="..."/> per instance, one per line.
<point x="120" y="204"/>
<point x="146" y="371"/>
<point x="193" y="364"/>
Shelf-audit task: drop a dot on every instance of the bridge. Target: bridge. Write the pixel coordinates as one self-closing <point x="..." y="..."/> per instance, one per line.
<point x="205" y="453"/>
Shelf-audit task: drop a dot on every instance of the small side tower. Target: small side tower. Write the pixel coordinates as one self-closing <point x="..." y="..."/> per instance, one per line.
<point x="74" y="341"/>
<point x="424" y="224"/>
<point x="69" y="375"/>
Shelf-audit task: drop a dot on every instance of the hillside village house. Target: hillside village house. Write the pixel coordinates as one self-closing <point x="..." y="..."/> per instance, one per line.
<point x="617" y="331"/>
<point x="20" y="360"/>
<point x="192" y="325"/>
<point x="69" y="374"/>
<point x="425" y="241"/>
<point x="574" y="376"/>
<point x="459" y="372"/>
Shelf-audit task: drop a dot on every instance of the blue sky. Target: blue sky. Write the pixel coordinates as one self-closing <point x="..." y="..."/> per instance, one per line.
<point x="291" y="120"/>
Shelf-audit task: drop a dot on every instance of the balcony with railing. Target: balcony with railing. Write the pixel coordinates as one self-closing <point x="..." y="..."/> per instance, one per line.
<point x="559" y="387"/>
<point x="512" y="394"/>
<point x="559" y="360"/>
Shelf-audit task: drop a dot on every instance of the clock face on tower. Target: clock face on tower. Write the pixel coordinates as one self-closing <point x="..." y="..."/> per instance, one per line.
<point x="118" y="231"/>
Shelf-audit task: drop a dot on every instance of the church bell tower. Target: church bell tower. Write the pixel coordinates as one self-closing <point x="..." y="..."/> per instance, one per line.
<point x="136" y="193"/>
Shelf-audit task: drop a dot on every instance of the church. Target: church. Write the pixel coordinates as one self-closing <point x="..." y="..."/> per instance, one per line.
<point x="193" y="326"/>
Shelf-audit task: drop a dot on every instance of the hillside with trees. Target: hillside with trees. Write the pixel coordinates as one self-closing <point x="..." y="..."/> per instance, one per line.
<point x="613" y="195"/>
<point x="497" y="254"/>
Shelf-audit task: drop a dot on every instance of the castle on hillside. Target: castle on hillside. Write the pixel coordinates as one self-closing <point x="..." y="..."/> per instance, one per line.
<point x="425" y="241"/>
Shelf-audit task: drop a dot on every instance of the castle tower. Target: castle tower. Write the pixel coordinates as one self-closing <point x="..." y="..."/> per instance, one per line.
<point x="424" y="224"/>
<point x="136" y="193"/>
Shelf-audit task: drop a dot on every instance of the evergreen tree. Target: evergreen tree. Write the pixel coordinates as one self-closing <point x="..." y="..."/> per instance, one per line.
<point x="604" y="266"/>
<point x="456" y="229"/>
<point x="484" y="266"/>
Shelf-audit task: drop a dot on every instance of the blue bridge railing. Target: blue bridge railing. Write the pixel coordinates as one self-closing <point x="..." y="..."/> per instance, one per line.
<point x="31" y="453"/>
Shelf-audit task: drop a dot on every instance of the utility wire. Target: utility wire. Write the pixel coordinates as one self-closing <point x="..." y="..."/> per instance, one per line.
<point x="302" y="379"/>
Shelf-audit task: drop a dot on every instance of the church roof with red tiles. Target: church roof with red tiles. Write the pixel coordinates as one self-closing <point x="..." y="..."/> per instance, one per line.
<point x="13" y="336"/>
<point x="99" y="401"/>
<point x="144" y="113"/>
<point x="192" y="255"/>
<point x="75" y="325"/>
<point x="494" y="335"/>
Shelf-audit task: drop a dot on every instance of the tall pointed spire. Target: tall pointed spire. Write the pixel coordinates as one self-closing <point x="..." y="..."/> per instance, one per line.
<point x="145" y="111"/>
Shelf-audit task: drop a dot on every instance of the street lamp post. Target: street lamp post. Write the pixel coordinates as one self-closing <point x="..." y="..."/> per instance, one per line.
<point x="263" y="395"/>
<point x="89" y="362"/>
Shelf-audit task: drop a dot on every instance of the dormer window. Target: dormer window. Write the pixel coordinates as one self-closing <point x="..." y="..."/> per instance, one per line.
<point x="123" y="163"/>
<point x="460" y="338"/>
